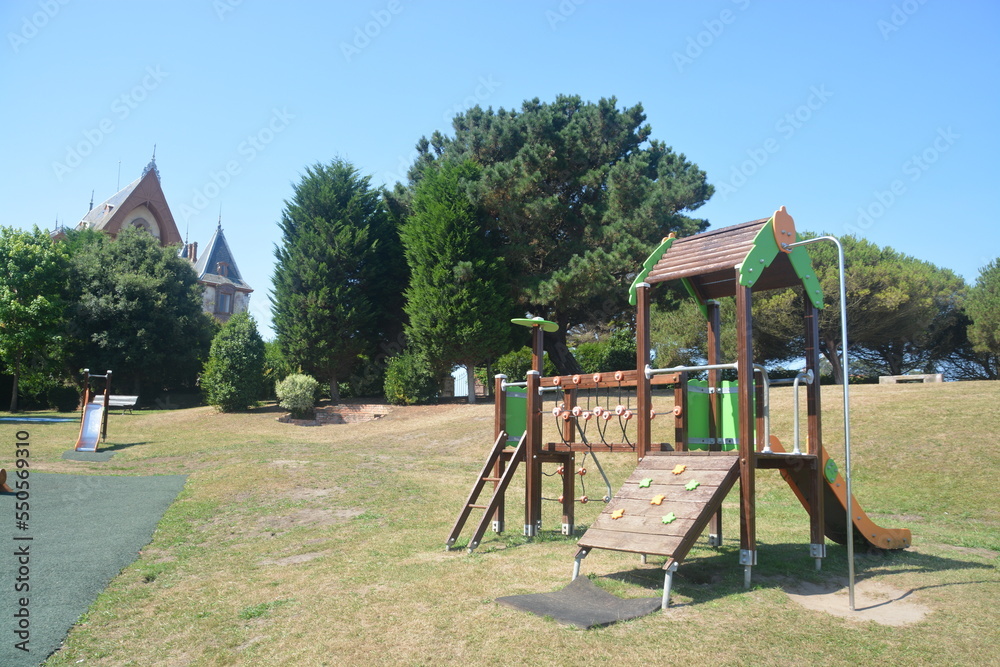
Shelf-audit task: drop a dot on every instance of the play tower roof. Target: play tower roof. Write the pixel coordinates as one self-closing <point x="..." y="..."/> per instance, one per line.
<point x="711" y="264"/>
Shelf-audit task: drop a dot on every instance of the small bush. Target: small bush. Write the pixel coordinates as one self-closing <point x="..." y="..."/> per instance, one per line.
<point x="409" y="380"/>
<point x="297" y="394"/>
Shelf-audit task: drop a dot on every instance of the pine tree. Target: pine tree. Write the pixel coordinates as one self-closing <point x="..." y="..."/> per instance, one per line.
<point x="579" y="194"/>
<point x="328" y="294"/>
<point x="458" y="299"/>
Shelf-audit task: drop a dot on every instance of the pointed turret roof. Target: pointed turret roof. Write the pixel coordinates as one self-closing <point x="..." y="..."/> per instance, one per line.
<point x="109" y="215"/>
<point x="217" y="265"/>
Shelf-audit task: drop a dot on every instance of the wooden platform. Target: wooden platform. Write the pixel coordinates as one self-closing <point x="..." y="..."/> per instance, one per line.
<point x="640" y="528"/>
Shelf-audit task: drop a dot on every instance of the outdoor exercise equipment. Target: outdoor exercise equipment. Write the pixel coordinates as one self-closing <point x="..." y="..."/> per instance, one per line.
<point x="722" y="430"/>
<point x="94" y="421"/>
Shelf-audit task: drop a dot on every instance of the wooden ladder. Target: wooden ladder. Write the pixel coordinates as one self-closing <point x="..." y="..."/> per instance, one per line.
<point x="493" y="463"/>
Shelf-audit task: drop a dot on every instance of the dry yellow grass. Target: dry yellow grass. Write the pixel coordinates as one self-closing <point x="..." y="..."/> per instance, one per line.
<point x="325" y="545"/>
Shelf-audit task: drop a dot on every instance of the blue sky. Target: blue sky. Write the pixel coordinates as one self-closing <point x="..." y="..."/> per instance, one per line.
<point x="876" y="118"/>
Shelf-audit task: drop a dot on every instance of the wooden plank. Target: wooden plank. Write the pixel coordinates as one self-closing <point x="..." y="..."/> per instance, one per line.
<point x="629" y="378"/>
<point x="700" y="460"/>
<point x="656" y="545"/>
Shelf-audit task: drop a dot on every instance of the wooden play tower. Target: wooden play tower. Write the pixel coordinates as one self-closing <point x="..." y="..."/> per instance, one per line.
<point x="721" y="431"/>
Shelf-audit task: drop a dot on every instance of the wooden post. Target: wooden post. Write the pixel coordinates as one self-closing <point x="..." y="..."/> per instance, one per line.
<point x="107" y="396"/>
<point x="680" y="420"/>
<point x="745" y="373"/>
<point x="499" y="426"/>
<point x="817" y="517"/>
<point x="714" y="356"/>
<point x="643" y="399"/>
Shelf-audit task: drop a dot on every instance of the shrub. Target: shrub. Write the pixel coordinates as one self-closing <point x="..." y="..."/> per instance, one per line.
<point x="63" y="398"/>
<point x="297" y="394"/>
<point x="409" y="380"/>
<point x="515" y="365"/>
<point x="233" y="378"/>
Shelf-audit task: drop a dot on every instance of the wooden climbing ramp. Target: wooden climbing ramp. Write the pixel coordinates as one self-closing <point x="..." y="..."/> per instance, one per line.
<point x="665" y="505"/>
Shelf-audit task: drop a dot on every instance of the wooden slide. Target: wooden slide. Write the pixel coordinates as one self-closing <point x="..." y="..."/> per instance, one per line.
<point x="665" y="505"/>
<point x="835" y="508"/>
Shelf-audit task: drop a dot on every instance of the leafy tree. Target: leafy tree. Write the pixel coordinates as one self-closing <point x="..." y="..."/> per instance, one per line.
<point x="328" y="294"/>
<point x="233" y="379"/>
<point x="409" y="379"/>
<point x="31" y="303"/>
<point x="983" y="307"/>
<point x="458" y="300"/>
<point x="616" y="352"/>
<point x="576" y="194"/>
<point x="137" y="310"/>
<point x="895" y="303"/>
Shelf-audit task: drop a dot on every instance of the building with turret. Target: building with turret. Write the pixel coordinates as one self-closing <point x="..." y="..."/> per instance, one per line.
<point x="142" y="204"/>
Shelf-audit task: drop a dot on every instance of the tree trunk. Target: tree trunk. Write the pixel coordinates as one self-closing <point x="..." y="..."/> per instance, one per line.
<point x="829" y="348"/>
<point x="470" y="378"/>
<point x="334" y="391"/>
<point x="13" y="394"/>
<point x="562" y="358"/>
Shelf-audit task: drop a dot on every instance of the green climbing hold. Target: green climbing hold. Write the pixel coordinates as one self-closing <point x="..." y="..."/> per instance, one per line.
<point x="667" y="518"/>
<point x="830" y="471"/>
<point x="644" y="484"/>
<point x="692" y="485"/>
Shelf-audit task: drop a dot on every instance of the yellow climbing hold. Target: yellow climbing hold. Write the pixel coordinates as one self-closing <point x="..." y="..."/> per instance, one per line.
<point x="617" y="514"/>
<point x="679" y="468"/>
<point x="657" y="499"/>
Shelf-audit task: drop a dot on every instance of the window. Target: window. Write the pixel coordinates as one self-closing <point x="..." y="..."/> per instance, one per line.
<point x="224" y="303"/>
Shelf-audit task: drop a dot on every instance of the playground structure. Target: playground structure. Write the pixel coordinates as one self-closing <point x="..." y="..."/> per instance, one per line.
<point x="94" y="421"/>
<point x="720" y="430"/>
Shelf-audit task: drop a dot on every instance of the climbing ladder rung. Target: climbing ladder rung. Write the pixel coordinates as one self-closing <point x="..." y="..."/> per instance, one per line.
<point x="501" y="483"/>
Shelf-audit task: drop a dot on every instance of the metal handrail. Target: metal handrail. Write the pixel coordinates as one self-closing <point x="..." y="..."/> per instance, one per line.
<point x="847" y="406"/>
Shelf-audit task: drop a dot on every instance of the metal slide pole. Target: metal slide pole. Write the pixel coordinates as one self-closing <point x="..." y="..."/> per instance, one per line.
<point x="847" y="410"/>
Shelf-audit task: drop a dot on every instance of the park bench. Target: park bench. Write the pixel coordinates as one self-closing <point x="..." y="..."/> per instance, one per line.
<point x="897" y="379"/>
<point x="123" y="402"/>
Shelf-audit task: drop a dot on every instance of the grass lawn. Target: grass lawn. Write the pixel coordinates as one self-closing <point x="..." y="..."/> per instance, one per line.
<point x="325" y="545"/>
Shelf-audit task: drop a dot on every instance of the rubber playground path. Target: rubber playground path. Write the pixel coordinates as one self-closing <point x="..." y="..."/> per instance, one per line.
<point x="84" y="529"/>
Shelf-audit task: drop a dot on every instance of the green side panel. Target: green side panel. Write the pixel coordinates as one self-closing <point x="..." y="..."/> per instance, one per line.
<point x="697" y="413"/>
<point x="830" y="471"/>
<point x="729" y="404"/>
<point x="694" y="295"/>
<point x="802" y="264"/>
<point x="517" y="414"/>
<point x="647" y="266"/>
<point x="763" y="252"/>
